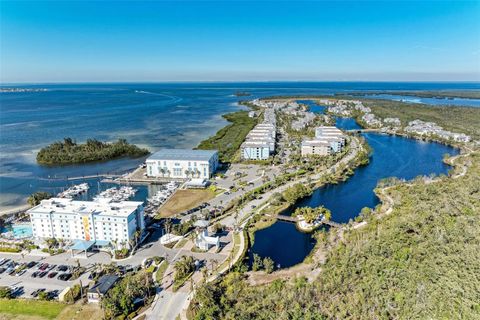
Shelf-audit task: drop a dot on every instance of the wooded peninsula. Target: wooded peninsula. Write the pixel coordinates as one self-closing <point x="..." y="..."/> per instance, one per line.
<point x="69" y="151"/>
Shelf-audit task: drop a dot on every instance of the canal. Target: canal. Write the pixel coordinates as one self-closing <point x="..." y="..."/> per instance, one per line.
<point x="392" y="156"/>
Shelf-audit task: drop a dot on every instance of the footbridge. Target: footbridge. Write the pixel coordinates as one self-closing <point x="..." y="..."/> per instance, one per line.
<point x="363" y="130"/>
<point x="294" y="220"/>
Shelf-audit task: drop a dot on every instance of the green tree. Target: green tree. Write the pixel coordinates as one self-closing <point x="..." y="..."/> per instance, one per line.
<point x="268" y="264"/>
<point x="183" y="267"/>
<point x="5" y="293"/>
<point x="35" y="198"/>
<point x="257" y="262"/>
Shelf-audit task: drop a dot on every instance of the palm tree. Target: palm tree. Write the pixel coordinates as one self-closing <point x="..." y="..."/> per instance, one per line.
<point x="115" y="243"/>
<point x="184" y="266"/>
<point x="197" y="172"/>
<point x="168" y="225"/>
<point x="136" y="236"/>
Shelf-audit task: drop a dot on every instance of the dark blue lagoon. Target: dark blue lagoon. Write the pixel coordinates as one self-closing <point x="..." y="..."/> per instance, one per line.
<point x="346" y="123"/>
<point x="392" y="157"/>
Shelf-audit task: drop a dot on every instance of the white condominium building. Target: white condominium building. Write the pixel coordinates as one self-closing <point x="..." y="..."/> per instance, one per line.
<point x="316" y="147"/>
<point x="260" y="141"/>
<point x="182" y="163"/>
<point x="333" y="135"/>
<point x="328" y="140"/>
<point x="101" y="220"/>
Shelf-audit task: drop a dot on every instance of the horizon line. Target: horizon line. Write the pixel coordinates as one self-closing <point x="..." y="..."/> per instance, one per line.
<point x="233" y="81"/>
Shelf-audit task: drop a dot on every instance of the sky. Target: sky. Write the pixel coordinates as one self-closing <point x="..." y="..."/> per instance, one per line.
<point x="122" y="41"/>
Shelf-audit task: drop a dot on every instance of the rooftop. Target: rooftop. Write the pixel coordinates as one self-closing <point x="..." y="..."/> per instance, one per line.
<point x="183" y="154"/>
<point x="315" y="143"/>
<point x="104" y="284"/>
<point x="104" y="207"/>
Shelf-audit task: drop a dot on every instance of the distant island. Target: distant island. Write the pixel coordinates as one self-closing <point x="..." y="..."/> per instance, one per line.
<point x="242" y="94"/>
<point x="69" y="152"/>
<point x="438" y="94"/>
<point x="23" y="90"/>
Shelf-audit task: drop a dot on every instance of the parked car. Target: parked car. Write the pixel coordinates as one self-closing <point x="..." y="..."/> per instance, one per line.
<point x="35" y="274"/>
<point x="42" y="274"/>
<point x="62" y="268"/>
<point x="2" y="270"/>
<point x="16" y="291"/>
<point x="31" y="264"/>
<point x="64" y="276"/>
<point x="18" y="274"/>
<point x="52" y="274"/>
<point x="43" y="266"/>
<point x="36" y="292"/>
<point x="52" y="294"/>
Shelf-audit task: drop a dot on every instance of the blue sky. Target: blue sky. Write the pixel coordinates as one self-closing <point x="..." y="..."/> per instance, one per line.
<point x="77" y="41"/>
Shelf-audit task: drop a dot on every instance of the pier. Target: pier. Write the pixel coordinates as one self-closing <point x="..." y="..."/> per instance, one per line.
<point x="105" y="175"/>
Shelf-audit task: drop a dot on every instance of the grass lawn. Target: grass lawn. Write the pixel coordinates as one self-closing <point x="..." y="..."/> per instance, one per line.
<point x="85" y="311"/>
<point x="30" y="309"/>
<point x="184" y="200"/>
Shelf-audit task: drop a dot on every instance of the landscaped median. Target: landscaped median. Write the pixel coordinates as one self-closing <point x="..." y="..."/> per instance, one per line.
<point x="161" y="271"/>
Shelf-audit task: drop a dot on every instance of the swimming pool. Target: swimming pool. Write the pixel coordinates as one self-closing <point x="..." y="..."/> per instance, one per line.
<point x="20" y="230"/>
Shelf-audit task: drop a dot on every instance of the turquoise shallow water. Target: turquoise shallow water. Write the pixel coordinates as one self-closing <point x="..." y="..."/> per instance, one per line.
<point x="150" y="115"/>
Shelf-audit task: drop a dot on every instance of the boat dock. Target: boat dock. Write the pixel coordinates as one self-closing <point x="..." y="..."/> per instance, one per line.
<point x="67" y="178"/>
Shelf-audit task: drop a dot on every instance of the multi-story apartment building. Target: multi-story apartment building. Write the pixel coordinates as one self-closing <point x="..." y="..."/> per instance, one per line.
<point x="316" y="147"/>
<point x="259" y="143"/>
<point x="182" y="163"/>
<point x="100" y="220"/>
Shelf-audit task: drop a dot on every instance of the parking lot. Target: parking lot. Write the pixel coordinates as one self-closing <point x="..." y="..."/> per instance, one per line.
<point x="26" y="280"/>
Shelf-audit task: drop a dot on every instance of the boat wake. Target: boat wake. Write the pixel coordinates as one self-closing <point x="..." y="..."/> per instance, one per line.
<point x="174" y="99"/>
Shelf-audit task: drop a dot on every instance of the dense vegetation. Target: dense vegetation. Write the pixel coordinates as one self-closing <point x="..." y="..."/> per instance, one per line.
<point x="458" y="119"/>
<point x="441" y="94"/>
<point x="120" y="300"/>
<point x="37" y="197"/>
<point x="228" y="139"/>
<point x="310" y="214"/>
<point x="184" y="268"/>
<point x="69" y="152"/>
<point x="422" y="261"/>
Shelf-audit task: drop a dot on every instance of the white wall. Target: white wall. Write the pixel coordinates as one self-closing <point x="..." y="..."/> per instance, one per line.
<point x="176" y="169"/>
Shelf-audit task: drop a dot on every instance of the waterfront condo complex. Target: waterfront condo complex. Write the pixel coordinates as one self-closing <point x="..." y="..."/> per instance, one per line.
<point x="260" y="141"/>
<point x="182" y="163"/>
<point x="328" y="140"/>
<point x="103" y="221"/>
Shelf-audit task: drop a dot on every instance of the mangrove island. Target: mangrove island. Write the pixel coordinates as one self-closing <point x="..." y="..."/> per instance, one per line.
<point x="69" y="151"/>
